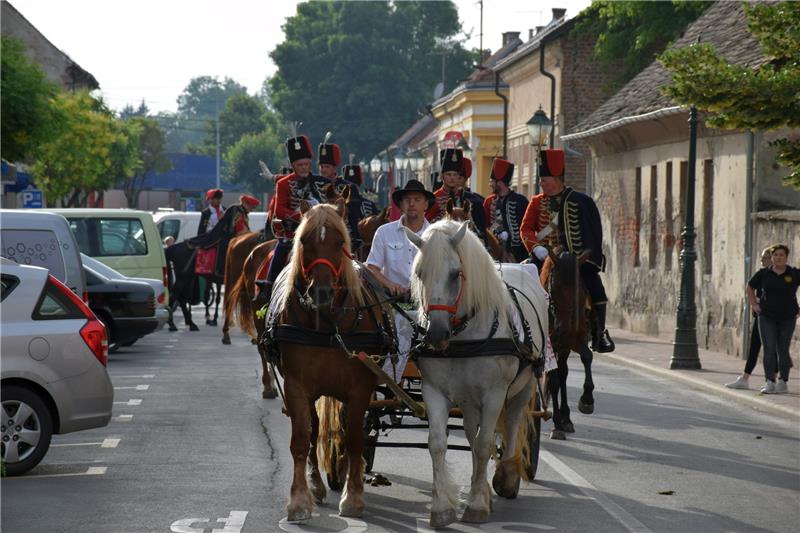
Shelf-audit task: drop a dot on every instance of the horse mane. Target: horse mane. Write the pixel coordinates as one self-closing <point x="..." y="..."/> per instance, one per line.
<point x="484" y="290"/>
<point x="318" y="216"/>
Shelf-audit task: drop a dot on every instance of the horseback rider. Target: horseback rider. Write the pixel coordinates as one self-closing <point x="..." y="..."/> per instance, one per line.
<point x="284" y="171"/>
<point x="290" y="191"/>
<point x="455" y="170"/>
<point x="392" y="255"/>
<point x="213" y="212"/>
<point x="358" y="207"/>
<point x="234" y="222"/>
<point x="329" y="156"/>
<point x="562" y="216"/>
<point x="505" y="208"/>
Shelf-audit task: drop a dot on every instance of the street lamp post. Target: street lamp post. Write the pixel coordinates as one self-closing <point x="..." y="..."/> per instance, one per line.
<point x="539" y="127"/>
<point x="684" y="349"/>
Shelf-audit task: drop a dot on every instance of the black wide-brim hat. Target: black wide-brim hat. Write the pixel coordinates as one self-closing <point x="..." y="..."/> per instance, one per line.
<point x="412" y="186"/>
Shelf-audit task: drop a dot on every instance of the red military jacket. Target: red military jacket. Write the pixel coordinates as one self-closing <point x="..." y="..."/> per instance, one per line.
<point x="537" y="216"/>
<point x="285" y="211"/>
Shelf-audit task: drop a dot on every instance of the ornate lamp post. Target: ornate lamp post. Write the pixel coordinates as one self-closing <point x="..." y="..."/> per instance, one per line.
<point x="400" y="162"/>
<point x="684" y="349"/>
<point x="416" y="161"/>
<point x="539" y="127"/>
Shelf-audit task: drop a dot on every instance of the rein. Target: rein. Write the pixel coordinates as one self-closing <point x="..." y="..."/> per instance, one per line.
<point x="337" y="272"/>
<point x="451" y="309"/>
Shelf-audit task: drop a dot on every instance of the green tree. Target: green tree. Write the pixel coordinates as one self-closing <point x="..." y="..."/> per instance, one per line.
<point x="28" y="116"/>
<point x="242" y="114"/>
<point x="362" y="69"/>
<point x="129" y="111"/>
<point x="242" y="160"/>
<point x="739" y="97"/>
<point x="90" y="153"/>
<point x="633" y="32"/>
<point x="151" y="158"/>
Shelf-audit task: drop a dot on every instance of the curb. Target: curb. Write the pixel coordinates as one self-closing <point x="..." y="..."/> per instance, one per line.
<point x="697" y="383"/>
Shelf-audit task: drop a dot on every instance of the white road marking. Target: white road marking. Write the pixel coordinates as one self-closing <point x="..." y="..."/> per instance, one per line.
<point x="424" y="526"/>
<point x="142" y="376"/>
<point x="620" y="514"/>
<point x="76" y="444"/>
<point x="122" y="418"/>
<point x="110" y="443"/>
<point x="135" y="401"/>
<point x="234" y="523"/>
<point x="91" y="471"/>
<point x="137" y="387"/>
<point x="354" y="525"/>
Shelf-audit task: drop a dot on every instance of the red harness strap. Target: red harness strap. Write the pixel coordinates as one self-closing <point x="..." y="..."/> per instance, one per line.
<point x="452" y="309"/>
<point x="321" y="261"/>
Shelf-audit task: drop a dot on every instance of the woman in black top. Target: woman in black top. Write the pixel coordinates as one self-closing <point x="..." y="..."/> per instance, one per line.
<point x="777" y="311"/>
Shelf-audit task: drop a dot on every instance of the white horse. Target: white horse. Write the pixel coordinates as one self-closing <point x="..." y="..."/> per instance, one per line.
<point x="455" y="280"/>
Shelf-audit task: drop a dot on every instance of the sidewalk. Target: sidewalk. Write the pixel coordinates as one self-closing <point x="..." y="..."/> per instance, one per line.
<point x="653" y="355"/>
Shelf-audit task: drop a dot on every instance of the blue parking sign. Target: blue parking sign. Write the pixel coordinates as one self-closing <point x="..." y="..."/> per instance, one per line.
<point x="32" y="198"/>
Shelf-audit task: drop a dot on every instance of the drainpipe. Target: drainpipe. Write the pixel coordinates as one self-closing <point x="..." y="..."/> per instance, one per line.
<point x="748" y="240"/>
<point x="505" y="112"/>
<point x="552" y="91"/>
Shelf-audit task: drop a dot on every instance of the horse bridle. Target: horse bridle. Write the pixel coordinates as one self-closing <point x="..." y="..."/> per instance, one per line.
<point x="451" y="309"/>
<point x="337" y="272"/>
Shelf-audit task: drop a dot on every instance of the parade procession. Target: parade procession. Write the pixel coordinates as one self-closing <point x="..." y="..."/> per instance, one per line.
<point x="340" y="283"/>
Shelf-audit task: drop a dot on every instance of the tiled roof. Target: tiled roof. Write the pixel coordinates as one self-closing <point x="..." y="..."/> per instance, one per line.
<point x="723" y="25"/>
<point x="419" y="129"/>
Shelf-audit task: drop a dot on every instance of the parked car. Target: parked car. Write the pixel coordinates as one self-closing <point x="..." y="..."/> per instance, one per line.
<point x="124" y="239"/>
<point x="162" y="313"/>
<point x="182" y="225"/>
<point x="53" y="378"/>
<point x="42" y="239"/>
<point x="126" y="307"/>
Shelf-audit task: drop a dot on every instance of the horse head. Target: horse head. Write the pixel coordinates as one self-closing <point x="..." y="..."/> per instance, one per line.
<point x="568" y="297"/>
<point x="321" y="257"/>
<point x="330" y="194"/>
<point x="439" y="283"/>
<point x="368" y="226"/>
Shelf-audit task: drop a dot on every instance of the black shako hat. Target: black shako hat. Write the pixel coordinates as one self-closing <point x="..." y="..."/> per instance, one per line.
<point x="412" y="186"/>
<point x="452" y="160"/>
<point x="299" y="148"/>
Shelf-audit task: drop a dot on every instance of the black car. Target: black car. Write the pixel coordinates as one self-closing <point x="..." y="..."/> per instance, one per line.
<point x="127" y="308"/>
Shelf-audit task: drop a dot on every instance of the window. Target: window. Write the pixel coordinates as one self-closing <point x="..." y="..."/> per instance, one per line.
<point x="637" y="207"/>
<point x="169" y="228"/>
<point x="669" y="237"/>
<point x="122" y="236"/>
<point x="652" y="212"/>
<point x="55" y="305"/>
<point x="8" y="284"/>
<point x="34" y="247"/>
<point x="708" y="214"/>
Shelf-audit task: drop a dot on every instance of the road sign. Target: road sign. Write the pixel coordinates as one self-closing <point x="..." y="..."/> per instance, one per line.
<point x="32" y="198"/>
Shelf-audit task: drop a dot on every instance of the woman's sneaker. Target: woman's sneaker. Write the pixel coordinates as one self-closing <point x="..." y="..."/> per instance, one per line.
<point x="740" y="383"/>
<point x="781" y="387"/>
<point x="768" y="388"/>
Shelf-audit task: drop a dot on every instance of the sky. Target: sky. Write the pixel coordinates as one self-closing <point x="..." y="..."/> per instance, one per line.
<point x="150" y="49"/>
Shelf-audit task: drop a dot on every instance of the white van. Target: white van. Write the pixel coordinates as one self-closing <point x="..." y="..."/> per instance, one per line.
<point x="182" y="225"/>
<point x="43" y="239"/>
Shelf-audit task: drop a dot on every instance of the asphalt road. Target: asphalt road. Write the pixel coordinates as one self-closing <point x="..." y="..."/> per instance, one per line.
<point x="193" y="448"/>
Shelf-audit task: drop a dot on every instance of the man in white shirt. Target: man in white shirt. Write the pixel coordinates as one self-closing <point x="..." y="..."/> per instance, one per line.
<point x="392" y="255"/>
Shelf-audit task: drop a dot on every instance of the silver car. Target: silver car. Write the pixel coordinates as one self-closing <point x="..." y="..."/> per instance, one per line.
<point x="53" y="375"/>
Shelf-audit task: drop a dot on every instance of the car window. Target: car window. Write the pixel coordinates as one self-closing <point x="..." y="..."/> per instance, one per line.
<point x="121" y="236"/>
<point x="81" y="229"/>
<point x="169" y="228"/>
<point x="54" y="305"/>
<point x="34" y="247"/>
<point x="9" y="282"/>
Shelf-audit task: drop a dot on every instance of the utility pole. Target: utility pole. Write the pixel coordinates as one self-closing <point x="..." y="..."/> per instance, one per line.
<point x="216" y="107"/>
<point x="480" y="61"/>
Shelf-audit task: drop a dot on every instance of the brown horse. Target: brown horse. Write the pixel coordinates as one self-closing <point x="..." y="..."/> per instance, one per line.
<point x="366" y="230"/>
<point x="569" y="331"/>
<point x="238" y="250"/>
<point x="493" y="244"/>
<point x="318" y="307"/>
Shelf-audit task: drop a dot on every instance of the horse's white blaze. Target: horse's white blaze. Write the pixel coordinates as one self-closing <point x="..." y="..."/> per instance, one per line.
<point x="322" y="233"/>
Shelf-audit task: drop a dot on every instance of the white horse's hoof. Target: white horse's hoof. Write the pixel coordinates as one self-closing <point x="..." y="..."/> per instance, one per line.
<point x="299" y="515"/>
<point x="352" y="510"/>
<point x="443" y="518"/>
<point x="475" y="516"/>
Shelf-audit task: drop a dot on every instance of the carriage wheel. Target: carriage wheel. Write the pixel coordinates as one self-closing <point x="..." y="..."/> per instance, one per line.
<point x="534" y="442"/>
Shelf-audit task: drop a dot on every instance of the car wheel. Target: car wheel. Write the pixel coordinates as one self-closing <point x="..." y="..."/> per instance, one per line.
<point x="129" y="343"/>
<point x="27" y="426"/>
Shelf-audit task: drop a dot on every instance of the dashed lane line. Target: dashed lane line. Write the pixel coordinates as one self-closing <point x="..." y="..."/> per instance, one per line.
<point x="91" y="471"/>
<point x="141" y="376"/>
<point x="134" y="401"/>
<point x="122" y="418"/>
<point x="137" y="387"/>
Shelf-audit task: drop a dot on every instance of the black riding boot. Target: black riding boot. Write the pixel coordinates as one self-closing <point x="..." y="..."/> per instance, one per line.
<point x="601" y="341"/>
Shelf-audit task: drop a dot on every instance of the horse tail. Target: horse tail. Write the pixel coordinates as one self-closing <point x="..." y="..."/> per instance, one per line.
<point x="330" y="442"/>
<point x="544" y="275"/>
<point x="521" y="460"/>
<point x="237" y="306"/>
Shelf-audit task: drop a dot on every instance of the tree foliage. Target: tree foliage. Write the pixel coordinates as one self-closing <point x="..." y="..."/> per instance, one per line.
<point x="151" y="158"/>
<point x="90" y="152"/>
<point x="634" y="32"/>
<point x="242" y="160"/>
<point x="26" y="93"/>
<point x="242" y="115"/>
<point x="740" y="97"/>
<point x="362" y="69"/>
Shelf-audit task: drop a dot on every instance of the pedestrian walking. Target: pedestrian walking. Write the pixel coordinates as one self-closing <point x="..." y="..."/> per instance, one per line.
<point x="742" y="382"/>
<point x="777" y="311"/>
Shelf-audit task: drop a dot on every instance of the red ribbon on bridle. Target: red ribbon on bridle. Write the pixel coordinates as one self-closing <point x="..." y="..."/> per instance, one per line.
<point x="337" y="272"/>
<point x="452" y="309"/>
